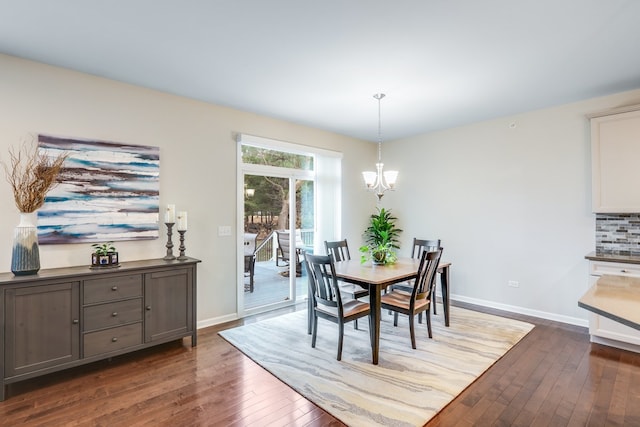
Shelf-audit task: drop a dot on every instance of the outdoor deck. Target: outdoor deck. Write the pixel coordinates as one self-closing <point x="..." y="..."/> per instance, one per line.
<point x="270" y="286"/>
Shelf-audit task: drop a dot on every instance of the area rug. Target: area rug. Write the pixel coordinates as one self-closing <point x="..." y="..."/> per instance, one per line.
<point x="407" y="388"/>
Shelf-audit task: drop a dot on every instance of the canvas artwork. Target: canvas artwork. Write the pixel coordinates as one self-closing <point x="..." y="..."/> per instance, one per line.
<point x="108" y="191"/>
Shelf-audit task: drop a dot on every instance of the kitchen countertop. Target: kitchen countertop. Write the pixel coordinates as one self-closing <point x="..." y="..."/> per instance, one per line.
<point x="615" y="297"/>
<point x="629" y="259"/>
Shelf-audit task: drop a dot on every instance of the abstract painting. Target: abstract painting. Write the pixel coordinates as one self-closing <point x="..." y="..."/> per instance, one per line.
<point x="107" y="191"/>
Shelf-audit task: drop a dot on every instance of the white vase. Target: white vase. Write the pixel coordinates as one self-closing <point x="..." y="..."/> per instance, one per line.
<point x="25" y="258"/>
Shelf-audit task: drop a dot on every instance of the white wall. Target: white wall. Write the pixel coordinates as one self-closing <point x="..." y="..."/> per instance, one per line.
<point x="197" y="158"/>
<point x="508" y="203"/>
<point x="511" y="200"/>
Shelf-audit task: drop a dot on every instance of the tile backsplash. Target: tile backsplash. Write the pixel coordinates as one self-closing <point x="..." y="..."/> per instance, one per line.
<point x="618" y="234"/>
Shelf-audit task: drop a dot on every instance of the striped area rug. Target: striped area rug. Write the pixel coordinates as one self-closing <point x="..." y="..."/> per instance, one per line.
<point x="407" y="388"/>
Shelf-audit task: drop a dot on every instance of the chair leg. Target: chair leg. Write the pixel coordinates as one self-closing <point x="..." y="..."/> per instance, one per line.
<point x="314" y="330"/>
<point x="310" y="313"/>
<point x="433" y="299"/>
<point x="412" y="331"/>
<point x="355" y="324"/>
<point x="341" y="331"/>
<point x="395" y="318"/>
<point x="429" y="323"/>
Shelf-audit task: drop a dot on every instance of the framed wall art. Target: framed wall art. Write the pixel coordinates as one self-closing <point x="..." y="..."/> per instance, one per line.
<point x="107" y="191"/>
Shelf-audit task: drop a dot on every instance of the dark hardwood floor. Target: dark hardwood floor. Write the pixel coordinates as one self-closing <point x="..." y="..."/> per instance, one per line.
<point x="553" y="377"/>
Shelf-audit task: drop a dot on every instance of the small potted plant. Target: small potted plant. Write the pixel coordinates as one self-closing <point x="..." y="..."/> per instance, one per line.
<point x="104" y="255"/>
<point x="382" y="239"/>
<point x="381" y="253"/>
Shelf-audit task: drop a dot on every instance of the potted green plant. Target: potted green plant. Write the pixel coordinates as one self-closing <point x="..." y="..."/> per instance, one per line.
<point x="381" y="237"/>
<point x="383" y="253"/>
<point x="104" y="255"/>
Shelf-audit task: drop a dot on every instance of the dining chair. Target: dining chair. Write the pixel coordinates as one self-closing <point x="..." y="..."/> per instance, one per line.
<point x="420" y="245"/>
<point x="326" y="300"/>
<point x="339" y="251"/>
<point x="419" y="300"/>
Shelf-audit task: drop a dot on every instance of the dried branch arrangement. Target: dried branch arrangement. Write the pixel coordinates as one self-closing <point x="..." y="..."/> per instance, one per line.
<point x="32" y="174"/>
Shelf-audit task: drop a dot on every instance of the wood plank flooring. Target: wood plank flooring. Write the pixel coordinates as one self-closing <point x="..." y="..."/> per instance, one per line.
<point x="553" y="377"/>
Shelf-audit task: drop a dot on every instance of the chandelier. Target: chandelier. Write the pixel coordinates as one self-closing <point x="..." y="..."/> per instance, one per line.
<point x="379" y="181"/>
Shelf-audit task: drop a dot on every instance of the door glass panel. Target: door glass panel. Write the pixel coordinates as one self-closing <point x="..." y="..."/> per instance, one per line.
<point x="305" y="219"/>
<point x="273" y="267"/>
<point x="266" y="204"/>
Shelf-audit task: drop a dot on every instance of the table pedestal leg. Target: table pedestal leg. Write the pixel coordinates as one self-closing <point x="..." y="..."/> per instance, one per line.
<point x="374" y="321"/>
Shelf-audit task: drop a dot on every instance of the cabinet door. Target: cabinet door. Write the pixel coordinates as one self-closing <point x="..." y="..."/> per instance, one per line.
<point x="168" y="297"/>
<point x="615" y="155"/>
<point x="42" y="327"/>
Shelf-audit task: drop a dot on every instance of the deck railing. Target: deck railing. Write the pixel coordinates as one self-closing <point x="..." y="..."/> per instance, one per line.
<point x="266" y="250"/>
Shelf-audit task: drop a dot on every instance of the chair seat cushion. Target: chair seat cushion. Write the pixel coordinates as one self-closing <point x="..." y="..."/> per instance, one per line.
<point x="401" y="299"/>
<point x="349" y="308"/>
<point x="354" y="290"/>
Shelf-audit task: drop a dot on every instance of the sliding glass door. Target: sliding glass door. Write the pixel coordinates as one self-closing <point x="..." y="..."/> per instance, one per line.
<point x="278" y="199"/>
<point x="273" y="272"/>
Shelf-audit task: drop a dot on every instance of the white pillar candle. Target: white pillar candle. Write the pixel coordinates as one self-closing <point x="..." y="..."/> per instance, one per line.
<point x="170" y="214"/>
<point x="182" y="221"/>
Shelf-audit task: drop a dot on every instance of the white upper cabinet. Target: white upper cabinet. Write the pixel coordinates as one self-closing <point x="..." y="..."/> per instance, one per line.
<point x="615" y="156"/>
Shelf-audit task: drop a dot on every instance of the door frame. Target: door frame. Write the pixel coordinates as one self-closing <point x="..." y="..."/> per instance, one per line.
<point x="279" y="172"/>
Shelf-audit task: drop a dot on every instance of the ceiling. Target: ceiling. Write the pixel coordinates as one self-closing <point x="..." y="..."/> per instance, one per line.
<point x="441" y="63"/>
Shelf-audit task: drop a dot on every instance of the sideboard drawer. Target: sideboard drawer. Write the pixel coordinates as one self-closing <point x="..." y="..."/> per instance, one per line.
<point x="614" y="268"/>
<point x="112" y="314"/>
<point x="112" y="339"/>
<point x="112" y="288"/>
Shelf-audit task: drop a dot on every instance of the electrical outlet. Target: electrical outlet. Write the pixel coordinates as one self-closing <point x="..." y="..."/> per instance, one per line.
<point x="224" y="230"/>
<point x="513" y="283"/>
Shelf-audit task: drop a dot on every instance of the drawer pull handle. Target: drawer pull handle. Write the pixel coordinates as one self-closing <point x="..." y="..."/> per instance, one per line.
<point x="114" y="314"/>
<point x="76" y="321"/>
<point x="114" y="288"/>
<point x="623" y="271"/>
<point x="114" y="339"/>
<point x="148" y="308"/>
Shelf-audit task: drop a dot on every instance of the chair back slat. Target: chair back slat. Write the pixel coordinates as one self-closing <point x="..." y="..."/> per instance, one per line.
<point x="338" y="250"/>
<point x="420" y="245"/>
<point x="323" y="285"/>
<point x="425" y="280"/>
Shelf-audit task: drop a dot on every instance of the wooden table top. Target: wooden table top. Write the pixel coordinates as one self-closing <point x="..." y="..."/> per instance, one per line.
<point x="403" y="269"/>
<point x="615" y="297"/>
<point x="354" y="270"/>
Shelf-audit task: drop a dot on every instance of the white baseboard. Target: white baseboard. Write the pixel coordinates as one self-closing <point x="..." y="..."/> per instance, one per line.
<point x="615" y="343"/>
<point x="217" y="320"/>
<point x="522" y="310"/>
<point x="484" y="303"/>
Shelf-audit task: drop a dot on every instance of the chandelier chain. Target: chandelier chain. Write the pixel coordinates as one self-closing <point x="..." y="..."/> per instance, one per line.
<point x="379" y="96"/>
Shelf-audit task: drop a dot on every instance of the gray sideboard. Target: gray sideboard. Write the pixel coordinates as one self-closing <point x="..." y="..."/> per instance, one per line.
<point x="66" y="317"/>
